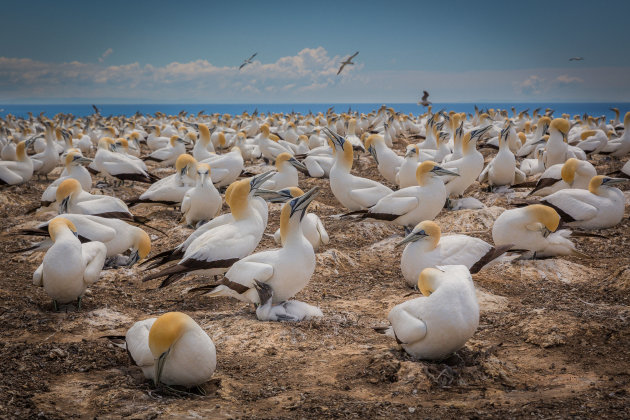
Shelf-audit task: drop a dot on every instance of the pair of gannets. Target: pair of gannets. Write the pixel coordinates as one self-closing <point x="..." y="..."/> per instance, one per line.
<point x="427" y="248"/>
<point x="117" y="235"/>
<point x="573" y="173"/>
<point x="440" y="322"/>
<point x="286" y="270"/>
<point x="202" y="202"/>
<point x="409" y="206"/>
<point x="215" y="250"/>
<point x="172" y="350"/>
<point x="69" y="267"/>
<point x="290" y="310"/>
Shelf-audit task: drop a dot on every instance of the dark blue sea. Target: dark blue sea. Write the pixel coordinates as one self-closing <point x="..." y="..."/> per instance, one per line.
<point x="593" y="108"/>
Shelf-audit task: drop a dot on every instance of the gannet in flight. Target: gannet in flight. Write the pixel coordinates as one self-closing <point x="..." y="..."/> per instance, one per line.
<point x="248" y="61"/>
<point x="348" y="61"/>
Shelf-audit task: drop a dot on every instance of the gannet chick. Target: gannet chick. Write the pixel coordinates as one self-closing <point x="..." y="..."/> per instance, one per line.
<point x="172" y="350"/>
<point x="312" y="226"/>
<point x="601" y="206"/>
<point x="286" y="270"/>
<point x="440" y="322"/>
<point x="203" y="202"/>
<point x="388" y="162"/>
<point x="409" y="206"/>
<point x="287" y="173"/>
<point x="69" y="267"/>
<point x="573" y="173"/>
<point x="533" y="228"/>
<point x="427" y="248"/>
<point x="353" y="192"/>
<point x="290" y="310"/>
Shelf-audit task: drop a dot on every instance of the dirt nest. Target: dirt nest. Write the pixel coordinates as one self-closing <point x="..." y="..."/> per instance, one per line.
<point x="553" y="341"/>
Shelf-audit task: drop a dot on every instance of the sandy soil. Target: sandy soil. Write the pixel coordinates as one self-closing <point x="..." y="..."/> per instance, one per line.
<point x="553" y="341"/>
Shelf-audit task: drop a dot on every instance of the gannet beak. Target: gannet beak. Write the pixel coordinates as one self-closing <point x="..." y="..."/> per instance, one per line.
<point x="181" y="140"/>
<point x="301" y="203"/>
<point x="337" y="139"/>
<point x="298" y="165"/>
<point x="545" y="232"/>
<point x="63" y="207"/>
<point x="281" y="196"/>
<point x="159" y="366"/>
<point x="410" y="152"/>
<point x="438" y="170"/>
<point x="412" y="237"/>
<point x="258" y="180"/>
<point x="613" y="181"/>
<point x="372" y="151"/>
<point x="83" y="160"/>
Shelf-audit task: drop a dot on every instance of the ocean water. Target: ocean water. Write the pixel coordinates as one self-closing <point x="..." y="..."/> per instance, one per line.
<point x="592" y="108"/>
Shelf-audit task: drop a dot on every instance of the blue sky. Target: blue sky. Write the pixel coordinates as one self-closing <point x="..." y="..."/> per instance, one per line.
<point x="189" y="51"/>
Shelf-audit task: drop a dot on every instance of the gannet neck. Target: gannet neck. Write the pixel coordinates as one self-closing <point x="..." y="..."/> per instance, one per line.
<point x="568" y="170"/>
<point x="429" y="280"/>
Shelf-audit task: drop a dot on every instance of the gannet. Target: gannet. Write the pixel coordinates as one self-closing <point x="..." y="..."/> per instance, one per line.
<point x="45" y="162"/>
<point x="169" y="154"/>
<point x="170" y="190"/>
<point x="557" y="150"/>
<point x="346" y="62"/>
<point x="599" y="207"/>
<point x="69" y="267"/>
<point x="440" y="322"/>
<point x="155" y="141"/>
<point x="290" y="310"/>
<point x="71" y="198"/>
<point x="502" y="169"/>
<point x="73" y="169"/>
<point x="406" y="176"/>
<point x="247" y="61"/>
<point x="172" y="350"/>
<point x="118" y="165"/>
<point x="532" y="228"/>
<point x="388" y="162"/>
<point x="203" y="148"/>
<point x="427" y="248"/>
<point x="215" y="250"/>
<point x="535" y="139"/>
<point x="287" y="173"/>
<point x="269" y="148"/>
<point x="469" y="166"/>
<point x="203" y="202"/>
<point x="286" y="270"/>
<point x="312" y="226"/>
<point x="619" y="147"/>
<point x="424" y="101"/>
<point x="573" y="173"/>
<point x="351" y="137"/>
<point x="117" y="235"/>
<point x="353" y="192"/>
<point x="409" y="206"/>
<point x="592" y="141"/>
<point x="226" y="168"/>
<point x="534" y="166"/>
<point x="18" y="171"/>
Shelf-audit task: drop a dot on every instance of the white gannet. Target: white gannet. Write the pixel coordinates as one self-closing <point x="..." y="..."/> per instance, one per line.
<point x="409" y="206"/>
<point x="599" y="207"/>
<point x="532" y="228"/>
<point x="353" y="192"/>
<point x="203" y="148"/>
<point x="226" y="168"/>
<point x="619" y="147"/>
<point x="557" y="149"/>
<point x="286" y="270"/>
<point x="69" y="267"/>
<point x="74" y="168"/>
<point x="573" y="173"/>
<point x="406" y="176"/>
<point x="535" y="165"/>
<point x="215" y="250"/>
<point x="269" y="148"/>
<point x="290" y="310"/>
<point x="202" y="202"/>
<point x="388" y="162"/>
<point x="592" y="141"/>
<point x="18" y="171"/>
<point x="71" y="198"/>
<point x="117" y="235"/>
<point x="170" y="190"/>
<point x="169" y="154"/>
<point x="155" y="141"/>
<point x="469" y="166"/>
<point x="46" y="161"/>
<point x="119" y="165"/>
<point x="440" y="322"/>
<point x="172" y="350"/>
<point x="287" y="173"/>
<point x="427" y="248"/>
<point x="502" y="169"/>
<point x="312" y="226"/>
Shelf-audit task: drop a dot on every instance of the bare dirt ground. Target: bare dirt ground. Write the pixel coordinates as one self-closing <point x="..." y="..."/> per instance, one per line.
<point x="553" y="341"/>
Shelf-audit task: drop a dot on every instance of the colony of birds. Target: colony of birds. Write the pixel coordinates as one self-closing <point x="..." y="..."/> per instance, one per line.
<point x="247" y="161"/>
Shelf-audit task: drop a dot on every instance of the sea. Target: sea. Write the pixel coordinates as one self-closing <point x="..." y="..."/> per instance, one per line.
<point x="572" y="108"/>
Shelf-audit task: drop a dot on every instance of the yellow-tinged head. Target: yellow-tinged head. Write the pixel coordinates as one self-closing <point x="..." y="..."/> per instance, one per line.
<point x="20" y="150"/>
<point x="68" y="187"/>
<point x="595" y="183"/>
<point x="561" y="125"/>
<point x="106" y="142"/>
<point x="281" y="158"/>
<point x="423" y="171"/>
<point x="221" y="138"/>
<point x="543" y="121"/>
<point x="58" y="224"/>
<point x="204" y="132"/>
<point x="587" y="133"/>
<point x="166" y="330"/>
<point x="173" y="140"/>
<point x="431" y="230"/>
<point x="302" y="137"/>
<point x="429" y="280"/>
<point x="522" y="137"/>
<point x="123" y="142"/>
<point x="264" y="129"/>
<point x="191" y="137"/>
<point x="568" y="170"/>
<point x="183" y="161"/>
<point x="237" y="198"/>
<point x="143" y="244"/>
<point x="545" y="215"/>
<point x="274" y="137"/>
<point x="70" y="157"/>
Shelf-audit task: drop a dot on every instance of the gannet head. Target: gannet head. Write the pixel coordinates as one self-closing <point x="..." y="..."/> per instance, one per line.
<point x="123" y="143"/>
<point x="546" y="216"/>
<point x="563" y="126"/>
<point x="20" y="151"/>
<point x="183" y="163"/>
<point x="412" y="150"/>
<point x="191" y="137"/>
<point x="626" y="120"/>
<point x="429" y="280"/>
<point x="429" y="168"/>
<point x="296" y="208"/>
<point x="203" y="172"/>
<point x="164" y="333"/>
<point x="522" y="138"/>
<point x="59" y="224"/>
<point x="204" y="133"/>
<point x="221" y="139"/>
<point x="370" y="144"/>
<point x="141" y="247"/>
<point x="264" y="129"/>
<point x="544" y="122"/>
<point x="107" y="143"/>
<point x="426" y="230"/>
<point x="603" y="181"/>
<point x="65" y="191"/>
<point x="76" y="158"/>
<point x="568" y="170"/>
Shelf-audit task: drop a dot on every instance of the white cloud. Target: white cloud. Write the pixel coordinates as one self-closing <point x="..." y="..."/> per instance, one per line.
<point x="566" y="79"/>
<point x="105" y="54"/>
<point x="533" y="85"/>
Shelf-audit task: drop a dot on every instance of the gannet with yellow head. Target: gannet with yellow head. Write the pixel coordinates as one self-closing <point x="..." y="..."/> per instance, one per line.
<point x="287" y="173"/>
<point x="203" y="202"/>
<point x="69" y="267"/>
<point x="74" y="168"/>
<point x="118" y="165"/>
<point x="70" y="198"/>
<point x="387" y="161"/>
<point x="170" y="190"/>
<point x="469" y="166"/>
<point x="168" y="155"/>
<point x="573" y="173"/>
<point x="435" y="325"/>
<point x="18" y="171"/>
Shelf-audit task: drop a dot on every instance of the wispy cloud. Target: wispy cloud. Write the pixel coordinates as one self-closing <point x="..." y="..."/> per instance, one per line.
<point x="105" y="54"/>
<point x="308" y="76"/>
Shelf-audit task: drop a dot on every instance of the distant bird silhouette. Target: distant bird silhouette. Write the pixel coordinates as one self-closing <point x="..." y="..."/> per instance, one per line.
<point x="576" y="58"/>
<point x="423" y="101"/>
<point x="348" y="61"/>
<point x="248" y="61"/>
<point x="96" y="110"/>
